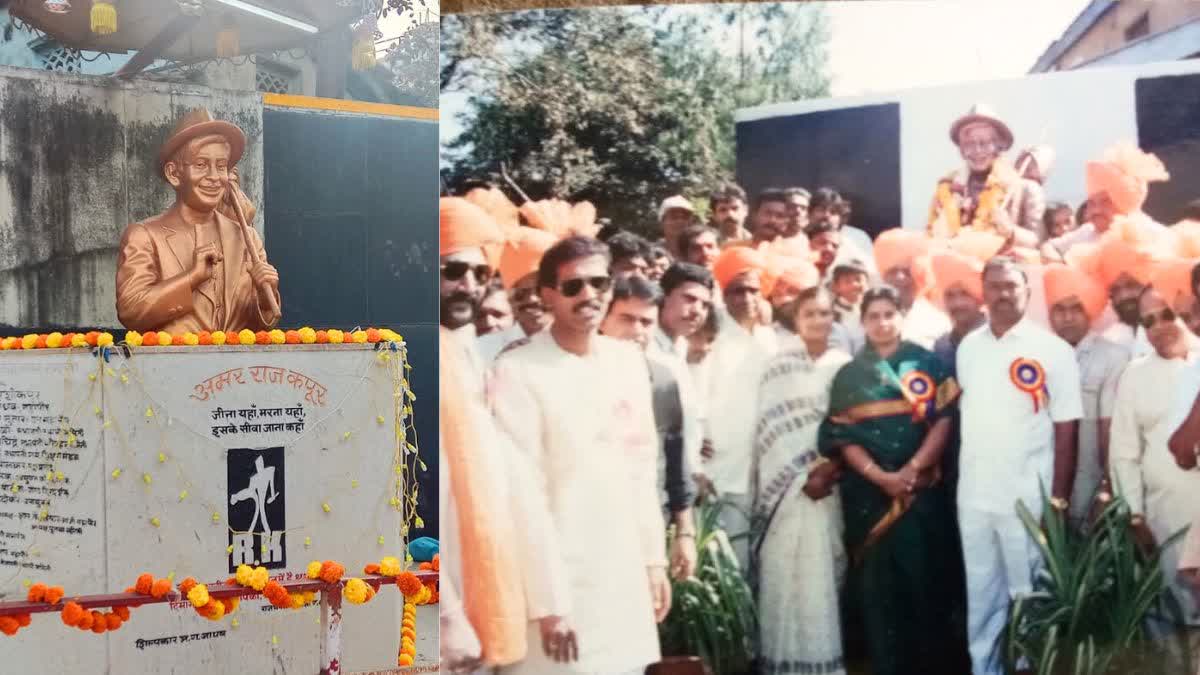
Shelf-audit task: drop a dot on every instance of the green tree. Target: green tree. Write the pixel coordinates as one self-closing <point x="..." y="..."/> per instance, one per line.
<point x="621" y="107"/>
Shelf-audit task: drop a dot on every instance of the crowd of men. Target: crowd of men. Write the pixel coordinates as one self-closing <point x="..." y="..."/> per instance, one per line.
<point x="595" y="385"/>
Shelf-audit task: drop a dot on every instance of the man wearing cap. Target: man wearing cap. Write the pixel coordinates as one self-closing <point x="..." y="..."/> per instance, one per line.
<point x="739" y="352"/>
<point x="192" y="268"/>
<point x="1117" y="187"/>
<point x="518" y="273"/>
<point x="674" y="215"/>
<point x="987" y="193"/>
<point x="727" y="210"/>
<point x="902" y="256"/>
<point x="1019" y="408"/>
<point x="1162" y="497"/>
<point x="1075" y="301"/>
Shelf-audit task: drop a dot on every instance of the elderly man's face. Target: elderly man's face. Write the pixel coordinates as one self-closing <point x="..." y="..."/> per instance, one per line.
<point x="1164" y="330"/>
<point x="1100" y="211"/>
<point x="464" y="277"/>
<point x="962" y="307"/>
<point x="901" y="279"/>
<point x="200" y="173"/>
<point x="743" y="295"/>
<point x="979" y="145"/>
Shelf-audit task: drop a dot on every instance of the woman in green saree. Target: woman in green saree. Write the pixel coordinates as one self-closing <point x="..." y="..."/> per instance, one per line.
<point x="888" y="424"/>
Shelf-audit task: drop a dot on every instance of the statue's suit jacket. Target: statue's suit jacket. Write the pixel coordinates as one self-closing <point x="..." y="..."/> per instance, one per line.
<point x="153" y="292"/>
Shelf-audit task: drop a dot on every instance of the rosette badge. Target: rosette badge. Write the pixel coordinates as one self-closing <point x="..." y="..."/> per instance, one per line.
<point x="1030" y="378"/>
<point x="920" y="389"/>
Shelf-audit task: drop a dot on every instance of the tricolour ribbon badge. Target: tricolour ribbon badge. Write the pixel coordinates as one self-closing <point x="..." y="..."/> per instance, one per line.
<point x="1030" y="378"/>
<point x="920" y="390"/>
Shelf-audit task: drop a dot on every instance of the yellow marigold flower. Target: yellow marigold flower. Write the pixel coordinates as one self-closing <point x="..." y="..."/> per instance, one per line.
<point x="198" y="596"/>
<point x="133" y="338"/>
<point x="277" y="337"/>
<point x="243" y="574"/>
<point x="164" y="338"/>
<point x="259" y="578"/>
<point x="308" y="335"/>
<point x="116" y="473"/>
<point x="103" y="340"/>
<point x="78" y="340"/>
<point x="218" y="611"/>
<point x="326" y="508"/>
<point x="218" y="337"/>
<point x="54" y="340"/>
<point x="336" y="337"/>
<point x="29" y="341"/>
<point x="191" y="339"/>
<point x="424" y="595"/>
<point x="389" y="566"/>
<point x="146" y="478"/>
<point x="246" y="337"/>
<point x="355" y="591"/>
<point x="359" y="336"/>
<point x="314" y="570"/>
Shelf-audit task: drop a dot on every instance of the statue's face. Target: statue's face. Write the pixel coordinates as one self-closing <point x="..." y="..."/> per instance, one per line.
<point x="979" y="144"/>
<point x="200" y="173"/>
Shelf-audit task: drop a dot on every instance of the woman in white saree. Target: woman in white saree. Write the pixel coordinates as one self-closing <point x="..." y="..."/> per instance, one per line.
<point x="798" y="550"/>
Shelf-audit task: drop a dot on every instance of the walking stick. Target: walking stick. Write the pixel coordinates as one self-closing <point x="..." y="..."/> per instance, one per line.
<point x="272" y="306"/>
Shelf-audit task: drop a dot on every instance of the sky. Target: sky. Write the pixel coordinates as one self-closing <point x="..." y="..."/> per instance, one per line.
<point x="878" y="46"/>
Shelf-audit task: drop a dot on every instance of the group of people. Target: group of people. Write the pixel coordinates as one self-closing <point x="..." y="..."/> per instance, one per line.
<point x="871" y="411"/>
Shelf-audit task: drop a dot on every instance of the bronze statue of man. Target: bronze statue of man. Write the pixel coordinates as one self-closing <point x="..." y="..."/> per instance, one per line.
<point x="195" y="267"/>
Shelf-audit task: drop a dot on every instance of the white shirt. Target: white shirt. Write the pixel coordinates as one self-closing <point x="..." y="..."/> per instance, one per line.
<point x="736" y="359"/>
<point x="924" y="324"/>
<point x="1101" y="363"/>
<point x="1007" y="445"/>
<point x="689" y="403"/>
<point x="664" y="344"/>
<point x="1133" y="339"/>
<point x="586" y="425"/>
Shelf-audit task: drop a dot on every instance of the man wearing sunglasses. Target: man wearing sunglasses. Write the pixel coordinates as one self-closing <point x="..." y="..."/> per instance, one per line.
<point x="518" y="273"/>
<point x="578" y="407"/>
<point x="465" y="232"/>
<point x="1162" y="498"/>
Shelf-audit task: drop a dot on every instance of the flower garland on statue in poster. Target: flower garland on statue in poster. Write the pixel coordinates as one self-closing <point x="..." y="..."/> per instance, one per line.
<point x="245" y="338"/>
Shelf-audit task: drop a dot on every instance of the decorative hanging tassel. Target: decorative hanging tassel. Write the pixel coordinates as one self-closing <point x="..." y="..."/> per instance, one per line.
<point x="104" y="17"/>
<point x="228" y="41"/>
<point x="364" y="47"/>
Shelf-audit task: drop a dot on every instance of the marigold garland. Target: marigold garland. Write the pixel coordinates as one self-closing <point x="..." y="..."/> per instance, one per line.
<point x="946" y="204"/>
<point x="299" y="336"/>
<point x="408" y="636"/>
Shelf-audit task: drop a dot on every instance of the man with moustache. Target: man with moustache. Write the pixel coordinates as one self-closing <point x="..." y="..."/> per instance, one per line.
<point x="675" y="214"/>
<point x="855" y="244"/>
<point x="466" y="232"/>
<point x="1076" y="301"/>
<point x="1162" y="498"/>
<point x="727" y="213"/>
<point x="824" y="239"/>
<point x="1019" y="409"/>
<point x="798" y="200"/>
<point x="633" y="316"/>
<point x="518" y="273"/>
<point x="700" y="245"/>
<point x="739" y="352"/>
<point x="594" y="451"/>
<point x="770" y="216"/>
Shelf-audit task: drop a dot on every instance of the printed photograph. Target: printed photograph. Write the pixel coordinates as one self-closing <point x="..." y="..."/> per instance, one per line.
<point x="820" y="337"/>
<point x="218" y="346"/>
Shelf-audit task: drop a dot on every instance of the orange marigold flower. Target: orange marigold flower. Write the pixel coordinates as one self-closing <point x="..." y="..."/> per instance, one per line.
<point x="409" y="584"/>
<point x="262" y="337"/>
<point x="67" y="339"/>
<point x="112" y="621"/>
<point x="40" y="343"/>
<point x="292" y="337"/>
<point x="371" y="568"/>
<point x="437" y="562"/>
<point x="24" y="620"/>
<point x="36" y="593"/>
<point x="425" y="566"/>
<point x="53" y="594"/>
<point x="93" y="338"/>
<point x="405" y="660"/>
<point x="9" y="625"/>
<point x="331" y="572"/>
<point x="122" y="612"/>
<point x="144" y="583"/>
<point x="150" y="339"/>
<point x="85" y="620"/>
<point x="177" y="340"/>
<point x="322" y="337"/>
<point x="99" y="625"/>
<point x="187" y="585"/>
<point x="373" y="335"/>
<point x="205" y="338"/>
<point x="160" y="588"/>
<point x="408" y="633"/>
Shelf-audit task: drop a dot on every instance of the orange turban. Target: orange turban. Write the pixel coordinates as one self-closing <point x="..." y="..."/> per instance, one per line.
<point x="1063" y="281"/>
<point x="498" y="206"/>
<point x="1173" y="279"/>
<point x="1129" y="247"/>
<point x="560" y="218"/>
<point x="910" y="249"/>
<point x="977" y="244"/>
<point x="798" y="273"/>
<point x="737" y="260"/>
<point x="1187" y="238"/>
<point x="522" y="254"/>
<point x="465" y="226"/>
<point x="1125" y="174"/>
<point x="955" y="269"/>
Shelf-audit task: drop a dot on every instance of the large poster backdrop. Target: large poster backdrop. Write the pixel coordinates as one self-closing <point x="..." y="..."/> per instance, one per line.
<point x="886" y="152"/>
<point x="189" y="462"/>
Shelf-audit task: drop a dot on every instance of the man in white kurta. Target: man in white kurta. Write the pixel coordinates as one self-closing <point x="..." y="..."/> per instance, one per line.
<point x="578" y="406"/>
<point x="1159" y="493"/>
<point x="1016" y="442"/>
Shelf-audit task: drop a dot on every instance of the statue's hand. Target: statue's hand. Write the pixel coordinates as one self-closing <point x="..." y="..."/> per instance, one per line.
<point x="203" y="264"/>
<point x="264" y="274"/>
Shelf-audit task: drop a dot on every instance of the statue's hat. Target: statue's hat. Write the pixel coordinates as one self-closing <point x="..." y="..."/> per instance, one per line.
<point x="200" y="122"/>
<point x="981" y="112"/>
